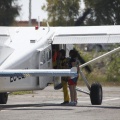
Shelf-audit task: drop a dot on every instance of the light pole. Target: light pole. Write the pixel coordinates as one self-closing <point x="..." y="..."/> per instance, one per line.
<point x="30" y="13"/>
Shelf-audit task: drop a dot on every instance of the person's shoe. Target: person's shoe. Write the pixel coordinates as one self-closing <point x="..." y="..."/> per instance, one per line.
<point x="76" y="102"/>
<point x="65" y="102"/>
<point x="73" y="103"/>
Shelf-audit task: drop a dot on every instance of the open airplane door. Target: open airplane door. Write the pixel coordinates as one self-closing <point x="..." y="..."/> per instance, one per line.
<point x="45" y="62"/>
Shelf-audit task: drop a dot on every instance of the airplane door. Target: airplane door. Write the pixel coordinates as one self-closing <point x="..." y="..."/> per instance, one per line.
<point x="45" y="62"/>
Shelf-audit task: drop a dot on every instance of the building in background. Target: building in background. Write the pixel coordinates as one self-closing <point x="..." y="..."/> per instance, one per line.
<point x="34" y="22"/>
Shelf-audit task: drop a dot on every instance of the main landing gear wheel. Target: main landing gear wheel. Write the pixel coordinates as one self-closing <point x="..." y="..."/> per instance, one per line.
<point x="96" y="94"/>
<point x="3" y="98"/>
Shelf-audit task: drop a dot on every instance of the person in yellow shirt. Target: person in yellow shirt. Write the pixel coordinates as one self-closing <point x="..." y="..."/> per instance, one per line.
<point x="63" y="64"/>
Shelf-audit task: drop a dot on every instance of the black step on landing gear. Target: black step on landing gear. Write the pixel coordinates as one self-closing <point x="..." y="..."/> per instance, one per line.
<point x="3" y="98"/>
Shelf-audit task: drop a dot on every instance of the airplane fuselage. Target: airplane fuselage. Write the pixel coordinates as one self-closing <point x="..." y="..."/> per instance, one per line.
<point x="29" y="50"/>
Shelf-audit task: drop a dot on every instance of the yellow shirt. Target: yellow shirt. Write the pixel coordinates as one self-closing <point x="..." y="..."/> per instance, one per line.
<point x="62" y="64"/>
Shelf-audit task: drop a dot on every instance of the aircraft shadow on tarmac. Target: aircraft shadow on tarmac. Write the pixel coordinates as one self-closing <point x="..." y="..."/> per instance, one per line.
<point x="43" y="106"/>
<point x="33" y="107"/>
<point x="104" y="107"/>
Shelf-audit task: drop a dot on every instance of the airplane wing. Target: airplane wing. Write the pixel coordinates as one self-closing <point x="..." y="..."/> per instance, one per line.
<point x="38" y="72"/>
<point x="87" y="35"/>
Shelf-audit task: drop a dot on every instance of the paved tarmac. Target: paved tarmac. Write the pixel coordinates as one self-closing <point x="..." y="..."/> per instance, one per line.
<point x="45" y="105"/>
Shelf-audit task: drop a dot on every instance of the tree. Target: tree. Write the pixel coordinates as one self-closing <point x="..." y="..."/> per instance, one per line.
<point x="81" y="19"/>
<point x="113" y="67"/>
<point x="8" y="11"/>
<point x="62" y="13"/>
<point x="104" y="12"/>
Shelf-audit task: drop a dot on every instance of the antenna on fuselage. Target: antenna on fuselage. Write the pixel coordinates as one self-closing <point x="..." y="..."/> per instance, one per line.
<point x="48" y="26"/>
<point x="38" y="21"/>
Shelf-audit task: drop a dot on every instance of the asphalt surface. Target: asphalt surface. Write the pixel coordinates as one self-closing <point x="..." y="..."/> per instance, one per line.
<point x="45" y="105"/>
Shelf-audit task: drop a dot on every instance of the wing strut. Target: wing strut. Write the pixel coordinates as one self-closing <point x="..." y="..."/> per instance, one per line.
<point x="100" y="57"/>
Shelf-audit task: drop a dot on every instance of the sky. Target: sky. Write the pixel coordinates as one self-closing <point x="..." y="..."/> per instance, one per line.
<point x="36" y="10"/>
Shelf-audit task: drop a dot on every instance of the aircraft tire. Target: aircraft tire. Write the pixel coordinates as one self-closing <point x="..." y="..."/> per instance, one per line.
<point x="3" y="98"/>
<point x="96" y="94"/>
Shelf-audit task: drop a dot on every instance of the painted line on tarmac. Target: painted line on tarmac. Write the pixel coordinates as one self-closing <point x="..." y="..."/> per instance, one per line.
<point x="112" y="99"/>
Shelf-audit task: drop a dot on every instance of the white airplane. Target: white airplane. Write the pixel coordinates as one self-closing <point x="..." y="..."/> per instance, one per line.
<point x="26" y="56"/>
